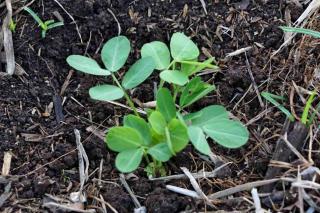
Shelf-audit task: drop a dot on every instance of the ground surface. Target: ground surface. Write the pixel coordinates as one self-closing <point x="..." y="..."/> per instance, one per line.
<point x="44" y="157"/>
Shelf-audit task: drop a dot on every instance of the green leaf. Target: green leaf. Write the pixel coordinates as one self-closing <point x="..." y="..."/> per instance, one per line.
<point x="227" y="133"/>
<point x="157" y="122"/>
<point x="165" y="104"/>
<point x="210" y="114"/>
<point x="35" y="17"/>
<point x="183" y="48"/>
<point x="313" y="33"/>
<point x="138" y="72"/>
<point x="86" y="65"/>
<point x="198" y="66"/>
<point x="159" y="52"/>
<point x="122" y="138"/>
<point x="273" y="99"/>
<point x="115" y="52"/>
<point x="129" y="160"/>
<point x="188" y="68"/>
<point x="174" y="77"/>
<point x="160" y="152"/>
<point x="198" y="139"/>
<point x="140" y="125"/>
<point x="178" y="135"/>
<point x="193" y="91"/>
<point x="105" y="92"/>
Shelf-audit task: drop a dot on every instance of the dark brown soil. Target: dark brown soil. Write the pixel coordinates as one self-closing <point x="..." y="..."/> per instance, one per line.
<point x="50" y="165"/>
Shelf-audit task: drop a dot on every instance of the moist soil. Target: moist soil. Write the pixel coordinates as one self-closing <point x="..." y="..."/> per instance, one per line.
<point x="38" y="116"/>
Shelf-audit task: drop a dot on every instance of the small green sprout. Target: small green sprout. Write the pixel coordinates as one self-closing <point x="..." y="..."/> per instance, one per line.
<point x="305" y="118"/>
<point x="45" y="26"/>
<point x="165" y="131"/>
<point x="12" y="25"/>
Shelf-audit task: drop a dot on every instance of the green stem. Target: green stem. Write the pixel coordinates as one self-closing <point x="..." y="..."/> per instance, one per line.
<point x="130" y="102"/>
<point x="175" y="92"/>
<point x="199" y="63"/>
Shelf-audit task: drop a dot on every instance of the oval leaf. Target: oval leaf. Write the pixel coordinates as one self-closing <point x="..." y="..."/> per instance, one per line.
<point x="129" y="160"/>
<point x="183" y="48"/>
<point x="86" y="65"/>
<point x="140" y="125"/>
<point x="159" y="52"/>
<point x="105" y="92"/>
<point x="208" y="115"/>
<point x="174" y="77"/>
<point x="122" y="138"/>
<point x="227" y="133"/>
<point x="178" y="135"/>
<point x="115" y="52"/>
<point x="198" y="139"/>
<point x="138" y="72"/>
<point x="158" y="122"/>
<point x="160" y="152"/>
<point x="165" y="104"/>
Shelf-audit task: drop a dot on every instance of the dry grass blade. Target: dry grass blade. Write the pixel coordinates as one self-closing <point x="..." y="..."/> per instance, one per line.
<point x="196" y="186"/>
<point x="293" y="149"/>
<point x="7" y="40"/>
<point x="256" y="200"/>
<point x="83" y="169"/>
<point x="198" y="175"/>
<point x="6" y="164"/>
<point x="240" y="188"/>
<point x="183" y="191"/>
<point x="136" y="202"/>
<point x="6" y="194"/>
<point x="68" y="208"/>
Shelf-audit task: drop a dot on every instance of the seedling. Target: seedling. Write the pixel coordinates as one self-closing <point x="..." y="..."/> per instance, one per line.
<point x="165" y="132"/>
<point x="45" y="25"/>
<point x="307" y="117"/>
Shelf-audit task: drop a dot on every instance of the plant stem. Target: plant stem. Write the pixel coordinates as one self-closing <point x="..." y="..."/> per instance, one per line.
<point x="130" y="102"/>
<point x="162" y="81"/>
<point x="175" y="92"/>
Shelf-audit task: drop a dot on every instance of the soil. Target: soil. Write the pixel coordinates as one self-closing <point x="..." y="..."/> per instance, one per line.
<point x="47" y="163"/>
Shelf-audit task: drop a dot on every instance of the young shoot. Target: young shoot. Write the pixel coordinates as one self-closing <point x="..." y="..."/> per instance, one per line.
<point x="45" y="25"/>
<point x="305" y="118"/>
<point x="12" y="25"/>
